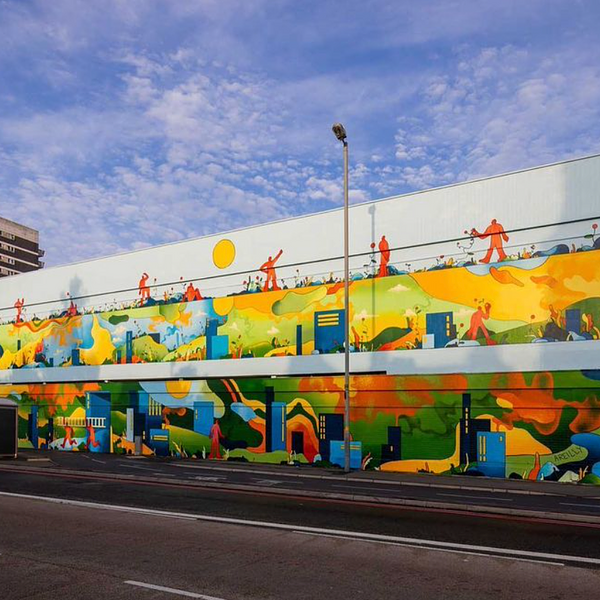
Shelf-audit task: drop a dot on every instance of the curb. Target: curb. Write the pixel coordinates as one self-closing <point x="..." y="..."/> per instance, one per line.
<point x="361" y="498"/>
<point x="458" y="482"/>
<point x="443" y="484"/>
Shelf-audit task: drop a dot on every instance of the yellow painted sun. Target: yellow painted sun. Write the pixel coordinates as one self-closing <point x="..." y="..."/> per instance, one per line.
<point x="223" y="254"/>
<point x="223" y="306"/>
<point x="178" y="389"/>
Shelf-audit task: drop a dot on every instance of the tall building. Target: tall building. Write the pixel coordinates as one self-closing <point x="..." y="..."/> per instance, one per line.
<point x="331" y="429"/>
<point x="469" y="430"/>
<point x="19" y="249"/>
<point x="393" y="449"/>
<point x="275" y="422"/>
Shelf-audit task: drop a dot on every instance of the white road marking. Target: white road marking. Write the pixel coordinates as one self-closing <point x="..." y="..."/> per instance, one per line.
<point x="267" y="482"/>
<point x="169" y="590"/>
<point x="351" y="535"/>
<point x="466" y="497"/>
<point x="358" y="487"/>
<point x="208" y="478"/>
<point x="528" y="560"/>
<point x="234" y="470"/>
<point x="596" y="506"/>
<point x="138" y="467"/>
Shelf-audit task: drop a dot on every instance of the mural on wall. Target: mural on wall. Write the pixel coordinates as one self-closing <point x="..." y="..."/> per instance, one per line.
<point x="535" y="426"/>
<point x="533" y="296"/>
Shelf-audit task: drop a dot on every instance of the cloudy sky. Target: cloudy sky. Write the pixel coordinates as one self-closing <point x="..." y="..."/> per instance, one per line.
<point x="126" y="123"/>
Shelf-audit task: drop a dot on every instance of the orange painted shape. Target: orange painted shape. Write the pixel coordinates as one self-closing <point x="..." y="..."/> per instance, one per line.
<point x="505" y="277"/>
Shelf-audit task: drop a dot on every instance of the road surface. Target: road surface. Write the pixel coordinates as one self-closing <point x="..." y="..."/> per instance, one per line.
<point x="128" y="539"/>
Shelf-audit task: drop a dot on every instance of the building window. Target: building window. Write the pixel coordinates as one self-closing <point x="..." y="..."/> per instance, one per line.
<point x="7" y="247"/>
<point x="10" y="261"/>
<point x="7" y="235"/>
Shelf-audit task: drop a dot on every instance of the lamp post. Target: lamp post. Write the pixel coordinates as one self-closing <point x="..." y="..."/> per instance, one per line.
<point x="340" y="134"/>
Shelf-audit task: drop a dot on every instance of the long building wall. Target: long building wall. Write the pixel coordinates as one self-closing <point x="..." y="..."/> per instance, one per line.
<point x="498" y="280"/>
<point x="541" y="299"/>
<point x="542" y="425"/>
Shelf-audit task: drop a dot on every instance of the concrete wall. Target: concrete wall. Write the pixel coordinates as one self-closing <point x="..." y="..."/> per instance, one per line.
<point x="538" y="425"/>
<point x="436" y="284"/>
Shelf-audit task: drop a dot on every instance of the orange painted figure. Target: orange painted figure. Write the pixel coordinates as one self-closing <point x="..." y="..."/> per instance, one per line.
<point x="356" y="338"/>
<point x="533" y="474"/>
<point x="69" y="437"/>
<point x="384" y="252"/>
<point x="19" y="304"/>
<point x="192" y="293"/>
<point x="72" y="310"/>
<point x="91" y="441"/>
<point x="216" y="435"/>
<point x="477" y="319"/>
<point x="268" y="269"/>
<point x="143" y="289"/>
<point x="496" y="233"/>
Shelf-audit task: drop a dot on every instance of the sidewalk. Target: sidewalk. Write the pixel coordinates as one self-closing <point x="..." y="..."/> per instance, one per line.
<point x="79" y="461"/>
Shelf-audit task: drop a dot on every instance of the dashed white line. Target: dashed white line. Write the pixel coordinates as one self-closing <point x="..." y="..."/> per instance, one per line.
<point x="169" y="590"/>
<point x="138" y="467"/>
<point x="359" y="487"/>
<point x="596" y="507"/>
<point x="268" y="482"/>
<point x="466" y="497"/>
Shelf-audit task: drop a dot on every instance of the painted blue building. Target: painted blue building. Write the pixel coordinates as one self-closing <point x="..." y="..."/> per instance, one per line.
<point x="491" y="453"/>
<point x="150" y="413"/>
<point x="97" y="414"/>
<point x="32" y="426"/>
<point x="128" y="346"/>
<point x="329" y="330"/>
<point x="158" y="440"/>
<point x="204" y="416"/>
<point x="331" y="428"/>
<point x="573" y="320"/>
<point x="441" y="327"/>
<point x="278" y="426"/>
<point x="337" y="453"/>
<point x="217" y="346"/>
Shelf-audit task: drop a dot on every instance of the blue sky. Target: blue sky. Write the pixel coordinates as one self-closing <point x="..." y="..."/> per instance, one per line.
<point x="127" y="123"/>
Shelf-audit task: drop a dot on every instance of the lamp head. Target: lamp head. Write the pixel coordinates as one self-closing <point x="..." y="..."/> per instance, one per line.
<point x="339" y="131"/>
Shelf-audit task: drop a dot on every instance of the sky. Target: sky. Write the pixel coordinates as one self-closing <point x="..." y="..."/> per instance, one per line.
<point x="130" y="123"/>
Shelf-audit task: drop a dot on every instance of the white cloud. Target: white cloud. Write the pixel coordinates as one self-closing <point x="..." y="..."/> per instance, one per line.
<point x="501" y="109"/>
<point x="399" y="288"/>
<point x="363" y="315"/>
<point x="149" y="122"/>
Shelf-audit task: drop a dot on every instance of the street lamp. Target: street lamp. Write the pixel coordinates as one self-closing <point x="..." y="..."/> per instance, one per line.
<point x="340" y="134"/>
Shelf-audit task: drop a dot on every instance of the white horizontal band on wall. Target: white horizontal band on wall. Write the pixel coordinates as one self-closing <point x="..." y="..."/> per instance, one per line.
<point x="551" y="356"/>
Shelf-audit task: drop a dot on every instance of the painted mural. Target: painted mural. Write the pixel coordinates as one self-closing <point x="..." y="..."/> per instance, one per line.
<point x="531" y="295"/>
<point x="537" y="426"/>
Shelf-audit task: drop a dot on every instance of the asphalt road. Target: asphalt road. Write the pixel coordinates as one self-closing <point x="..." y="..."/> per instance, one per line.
<point x="247" y="491"/>
<point x="497" y="495"/>
<point x="211" y="530"/>
<point x="50" y="550"/>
